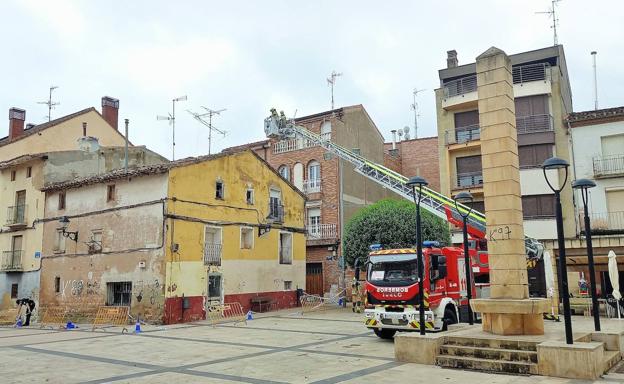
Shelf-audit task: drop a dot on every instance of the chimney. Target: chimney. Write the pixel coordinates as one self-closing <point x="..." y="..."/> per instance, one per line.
<point x="451" y="59"/>
<point x="110" y="110"/>
<point x="394" y="131"/>
<point x="16" y="123"/>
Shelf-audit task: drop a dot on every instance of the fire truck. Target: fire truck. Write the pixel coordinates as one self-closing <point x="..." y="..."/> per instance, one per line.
<point x="392" y="294"/>
<point x="395" y="297"/>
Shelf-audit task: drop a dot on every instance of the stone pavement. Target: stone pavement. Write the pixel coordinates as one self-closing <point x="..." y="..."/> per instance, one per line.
<point x="284" y="347"/>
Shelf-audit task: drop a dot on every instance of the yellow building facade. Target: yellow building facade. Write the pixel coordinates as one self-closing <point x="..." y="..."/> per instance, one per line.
<point x="236" y="233"/>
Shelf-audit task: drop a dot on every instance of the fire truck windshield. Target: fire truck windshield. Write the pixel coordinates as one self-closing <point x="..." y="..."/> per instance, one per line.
<point x="393" y="272"/>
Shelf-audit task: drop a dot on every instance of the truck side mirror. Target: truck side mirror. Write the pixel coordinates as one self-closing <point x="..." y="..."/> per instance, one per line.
<point x="442" y="267"/>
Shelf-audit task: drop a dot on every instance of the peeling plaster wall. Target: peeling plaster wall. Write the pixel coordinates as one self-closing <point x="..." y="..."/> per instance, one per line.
<point x="132" y="234"/>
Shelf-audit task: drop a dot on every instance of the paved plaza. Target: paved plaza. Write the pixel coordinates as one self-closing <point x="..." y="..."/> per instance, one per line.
<point x="284" y="347"/>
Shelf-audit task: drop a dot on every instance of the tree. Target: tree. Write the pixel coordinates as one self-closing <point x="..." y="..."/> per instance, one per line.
<point x="391" y="223"/>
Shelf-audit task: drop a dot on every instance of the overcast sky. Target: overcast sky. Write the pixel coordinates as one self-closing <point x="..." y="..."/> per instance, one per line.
<point x="248" y="56"/>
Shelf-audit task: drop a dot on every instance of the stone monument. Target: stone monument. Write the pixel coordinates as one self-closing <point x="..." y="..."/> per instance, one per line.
<point x="509" y="310"/>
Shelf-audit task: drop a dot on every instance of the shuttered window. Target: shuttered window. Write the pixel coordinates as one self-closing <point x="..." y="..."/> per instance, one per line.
<point x="532" y="156"/>
<point x="538" y="206"/>
<point x="531" y="105"/>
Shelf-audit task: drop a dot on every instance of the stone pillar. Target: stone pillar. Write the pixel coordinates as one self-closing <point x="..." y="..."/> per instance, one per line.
<point x="509" y="311"/>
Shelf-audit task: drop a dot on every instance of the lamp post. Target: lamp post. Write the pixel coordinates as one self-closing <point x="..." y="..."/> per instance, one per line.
<point x="555" y="163"/>
<point x="466" y="198"/>
<point x="64" y="221"/>
<point x="583" y="185"/>
<point x="419" y="182"/>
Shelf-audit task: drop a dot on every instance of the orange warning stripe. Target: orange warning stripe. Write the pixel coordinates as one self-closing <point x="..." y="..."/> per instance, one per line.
<point x="393" y="251"/>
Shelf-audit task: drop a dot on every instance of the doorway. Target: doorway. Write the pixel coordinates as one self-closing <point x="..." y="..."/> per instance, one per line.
<point x="314" y="279"/>
<point x="215" y="289"/>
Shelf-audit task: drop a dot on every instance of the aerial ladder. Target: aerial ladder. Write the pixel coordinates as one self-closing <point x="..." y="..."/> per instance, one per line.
<point x="278" y="126"/>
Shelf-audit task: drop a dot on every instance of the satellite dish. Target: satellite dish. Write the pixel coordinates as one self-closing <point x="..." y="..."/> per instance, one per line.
<point x="407" y="136"/>
<point x="406" y="129"/>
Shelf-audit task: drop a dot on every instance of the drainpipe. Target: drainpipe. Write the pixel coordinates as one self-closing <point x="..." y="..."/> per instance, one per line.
<point x="341" y="243"/>
<point x="126" y="148"/>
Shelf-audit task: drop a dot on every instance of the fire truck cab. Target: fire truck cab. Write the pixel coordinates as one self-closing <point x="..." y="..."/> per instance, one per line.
<point x="392" y="294"/>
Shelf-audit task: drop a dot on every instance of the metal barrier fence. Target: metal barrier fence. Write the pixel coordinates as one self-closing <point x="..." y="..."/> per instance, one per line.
<point x="53" y="317"/>
<point x="311" y="303"/>
<point x="8" y="316"/>
<point x="227" y="312"/>
<point x="111" y="316"/>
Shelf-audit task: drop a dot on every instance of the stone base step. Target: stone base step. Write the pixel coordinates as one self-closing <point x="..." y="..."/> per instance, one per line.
<point x="518" y="345"/>
<point x="611" y="358"/>
<point x="487" y="365"/>
<point x="489" y="353"/>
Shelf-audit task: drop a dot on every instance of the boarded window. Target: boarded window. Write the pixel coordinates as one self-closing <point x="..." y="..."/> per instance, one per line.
<point x="110" y="192"/>
<point x="219" y="190"/>
<point x="532" y="156"/>
<point x="247" y="236"/>
<point x="61" y="200"/>
<point x="285" y="248"/>
<point x="538" y="206"/>
<point x="119" y="293"/>
<point x="531" y="105"/>
<point x="14" y="291"/>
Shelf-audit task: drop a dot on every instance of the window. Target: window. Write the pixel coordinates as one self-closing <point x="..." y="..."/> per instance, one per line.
<point x="61" y="200"/>
<point x="538" y="206"/>
<point x="478" y="206"/>
<point x="469" y="171"/>
<point x="219" y="190"/>
<point x="287" y="285"/>
<point x="247" y="236"/>
<point x="532" y="156"/>
<point x="212" y="245"/>
<point x="314" y="222"/>
<point x="249" y="196"/>
<point x="13" y="173"/>
<point x="95" y="244"/>
<point x="214" y="287"/>
<point x="14" y="291"/>
<point x="284" y="171"/>
<point x="119" y="293"/>
<point x="314" y="171"/>
<point x="57" y="284"/>
<point x="59" y="242"/>
<point x="29" y="172"/>
<point x="110" y="193"/>
<point x="531" y="105"/>
<point x="285" y="248"/>
<point x="276" y="209"/>
<point x="326" y="129"/>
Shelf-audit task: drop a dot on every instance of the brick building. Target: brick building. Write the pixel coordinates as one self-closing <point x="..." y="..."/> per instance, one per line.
<point x="335" y="192"/>
<point x="415" y="157"/>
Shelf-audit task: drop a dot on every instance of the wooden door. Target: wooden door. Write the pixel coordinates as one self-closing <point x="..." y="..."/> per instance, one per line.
<point x="314" y="279"/>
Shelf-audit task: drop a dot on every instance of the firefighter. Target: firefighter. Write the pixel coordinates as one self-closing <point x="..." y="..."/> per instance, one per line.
<point x="356" y="291"/>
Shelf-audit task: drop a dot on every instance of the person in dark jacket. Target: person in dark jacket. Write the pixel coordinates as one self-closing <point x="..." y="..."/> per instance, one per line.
<point x="30" y="307"/>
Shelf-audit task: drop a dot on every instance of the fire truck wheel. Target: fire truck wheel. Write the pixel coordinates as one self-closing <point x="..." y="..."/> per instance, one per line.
<point x="384" y="333"/>
<point x="449" y="318"/>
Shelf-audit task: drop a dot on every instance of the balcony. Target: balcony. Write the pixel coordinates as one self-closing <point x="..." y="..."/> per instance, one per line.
<point x="16" y="216"/>
<point x="291" y="145"/>
<point x="212" y="254"/>
<point x="461" y="135"/>
<point x="469" y="180"/>
<point x="606" y="223"/>
<point x="531" y="72"/>
<point x="460" y="86"/>
<point x="11" y="261"/>
<point x="608" y="166"/>
<point x="276" y="213"/>
<point x="322" y="232"/>
<point x="534" y="124"/>
<point x="312" y="186"/>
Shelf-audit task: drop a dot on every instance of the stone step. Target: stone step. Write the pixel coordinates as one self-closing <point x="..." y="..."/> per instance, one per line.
<point x="518" y="345"/>
<point x="610" y="359"/>
<point x="489" y="353"/>
<point x="487" y="365"/>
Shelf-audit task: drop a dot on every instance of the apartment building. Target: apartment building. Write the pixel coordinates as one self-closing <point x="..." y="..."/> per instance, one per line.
<point x="597" y="147"/>
<point x="168" y="240"/>
<point x="334" y="191"/>
<point x="415" y="157"/>
<point x="22" y="172"/>
<point x="542" y="100"/>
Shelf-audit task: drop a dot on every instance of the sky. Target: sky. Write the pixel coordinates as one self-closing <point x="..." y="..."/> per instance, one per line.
<point x="250" y="56"/>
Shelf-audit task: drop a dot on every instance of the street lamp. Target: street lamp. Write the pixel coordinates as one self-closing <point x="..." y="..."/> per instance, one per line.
<point x="64" y="221"/>
<point x="555" y="163"/>
<point x="466" y="198"/>
<point x="419" y="182"/>
<point x="583" y="185"/>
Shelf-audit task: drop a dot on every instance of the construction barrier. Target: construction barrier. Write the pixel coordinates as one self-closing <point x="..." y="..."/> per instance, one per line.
<point x="8" y="316"/>
<point x="53" y="317"/>
<point x="111" y="316"/>
<point x="227" y="312"/>
<point x="311" y="303"/>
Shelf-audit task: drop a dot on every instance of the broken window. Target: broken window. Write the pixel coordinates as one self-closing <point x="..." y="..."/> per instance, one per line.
<point x="249" y="196"/>
<point x="212" y="245"/>
<point x="247" y="234"/>
<point x="95" y="244"/>
<point x="219" y="190"/>
<point x="57" y="284"/>
<point x="61" y="200"/>
<point x="214" y="287"/>
<point x="59" y="241"/>
<point x="119" y="293"/>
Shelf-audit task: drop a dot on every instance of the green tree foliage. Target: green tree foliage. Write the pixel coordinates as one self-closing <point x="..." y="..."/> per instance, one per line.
<point x="391" y="223"/>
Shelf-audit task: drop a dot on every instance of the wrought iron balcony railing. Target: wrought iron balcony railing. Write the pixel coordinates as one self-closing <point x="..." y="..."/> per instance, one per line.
<point x="604" y="222"/>
<point x="11" y="261"/>
<point x="469" y="179"/>
<point x="312" y="186"/>
<point x="534" y="123"/>
<point x="605" y="166"/>
<point x="212" y="254"/>
<point x="462" y="135"/>
<point x="16" y="215"/>
<point x="322" y="231"/>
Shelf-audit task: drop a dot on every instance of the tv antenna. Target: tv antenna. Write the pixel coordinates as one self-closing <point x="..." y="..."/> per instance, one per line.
<point x="201" y="118"/>
<point x="331" y="81"/>
<point x="415" y="109"/>
<point x="51" y="104"/>
<point x="552" y="13"/>
<point x="171" y="119"/>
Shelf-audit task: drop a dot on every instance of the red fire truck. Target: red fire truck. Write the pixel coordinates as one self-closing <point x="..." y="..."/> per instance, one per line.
<point x="391" y="302"/>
